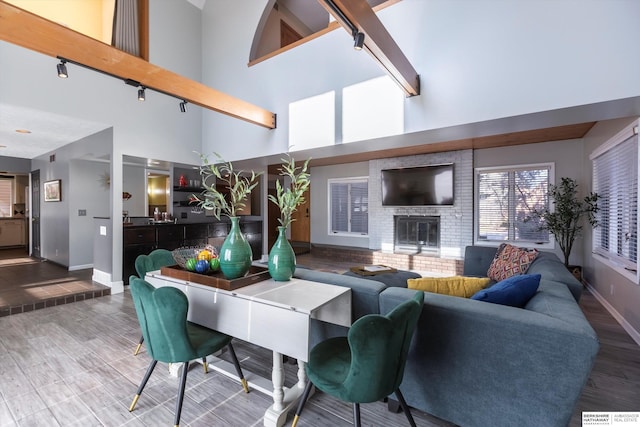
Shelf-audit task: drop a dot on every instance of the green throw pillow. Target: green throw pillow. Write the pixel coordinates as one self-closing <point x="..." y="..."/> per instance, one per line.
<point x="458" y="286"/>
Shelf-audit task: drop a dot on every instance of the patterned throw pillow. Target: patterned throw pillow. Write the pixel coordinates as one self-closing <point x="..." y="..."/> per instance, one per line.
<point x="510" y="261"/>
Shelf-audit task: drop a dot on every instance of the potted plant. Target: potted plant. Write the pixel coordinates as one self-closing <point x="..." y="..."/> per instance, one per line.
<point x="282" y="258"/>
<point x="235" y="253"/>
<point x="565" y="222"/>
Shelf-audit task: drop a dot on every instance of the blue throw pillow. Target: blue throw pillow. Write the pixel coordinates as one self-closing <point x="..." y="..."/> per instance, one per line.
<point x="515" y="291"/>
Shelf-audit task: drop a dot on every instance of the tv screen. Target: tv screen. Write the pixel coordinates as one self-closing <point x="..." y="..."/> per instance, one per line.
<point x="418" y="186"/>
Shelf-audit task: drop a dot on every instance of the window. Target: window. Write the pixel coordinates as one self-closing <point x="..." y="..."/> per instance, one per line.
<point x="615" y="180"/>
<point x="505" y="198"/>
<point x="349" y="206"/>
<point x="6" y="197"/>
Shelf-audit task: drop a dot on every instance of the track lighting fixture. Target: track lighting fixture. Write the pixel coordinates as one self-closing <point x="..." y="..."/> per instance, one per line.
<point x="358" y="41"/>
<point x="62" y="69"/>
<point x="183" y="106"/>
<point x="141" y="94"/>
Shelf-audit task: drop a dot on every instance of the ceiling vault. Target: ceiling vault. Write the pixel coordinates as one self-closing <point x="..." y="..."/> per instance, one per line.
<point x="33" y="32"/>
<point x="377" y="41"/>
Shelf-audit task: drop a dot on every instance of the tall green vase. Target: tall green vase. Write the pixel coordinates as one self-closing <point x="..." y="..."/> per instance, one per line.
<point x="235" y="254"/>
<point x="282" y="258"/>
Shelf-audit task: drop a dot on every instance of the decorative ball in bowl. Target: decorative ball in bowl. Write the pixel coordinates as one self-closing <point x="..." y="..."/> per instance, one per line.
<point x="187" y="258"/>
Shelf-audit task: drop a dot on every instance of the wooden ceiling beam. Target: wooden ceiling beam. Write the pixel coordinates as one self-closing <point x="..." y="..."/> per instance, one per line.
<point x="377" y="41"/>
<point x="33" y="32"/>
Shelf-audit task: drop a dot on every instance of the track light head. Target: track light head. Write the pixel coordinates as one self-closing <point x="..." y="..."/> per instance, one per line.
<point x="141" y="94"/>
<point x="358" y="41"/>
<point x="62" y="69"/>
<point x="183" y="106"/>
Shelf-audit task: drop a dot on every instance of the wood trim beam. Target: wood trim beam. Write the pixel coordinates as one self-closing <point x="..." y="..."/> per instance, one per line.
<point x="378" y="42"/>
<point x="33" y="32"/>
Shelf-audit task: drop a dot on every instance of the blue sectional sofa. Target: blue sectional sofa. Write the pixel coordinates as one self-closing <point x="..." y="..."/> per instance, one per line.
<point x="475" y="363"/>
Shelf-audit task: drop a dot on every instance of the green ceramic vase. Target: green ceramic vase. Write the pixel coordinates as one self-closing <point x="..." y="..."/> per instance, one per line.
<point x="235" y="253"/>
<point x="282" y="258"/>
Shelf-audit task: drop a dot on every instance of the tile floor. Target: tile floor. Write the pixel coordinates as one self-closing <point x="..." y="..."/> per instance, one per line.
<point x="28" y="284"/>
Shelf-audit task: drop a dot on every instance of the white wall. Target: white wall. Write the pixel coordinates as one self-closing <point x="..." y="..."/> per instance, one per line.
<point x="619" y="294"/>
<point x="478" y="61"/>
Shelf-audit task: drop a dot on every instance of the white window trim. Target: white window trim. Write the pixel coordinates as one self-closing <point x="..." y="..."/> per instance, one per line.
<point x="349" y="180"/>
<point x="616" y="265"/>
<point x="476" y="225"/>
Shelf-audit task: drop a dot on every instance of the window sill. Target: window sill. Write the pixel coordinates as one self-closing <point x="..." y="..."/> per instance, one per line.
<point x="617" y="267"/>
<point x="530" y="245"/>
<point x="366" y="236"/>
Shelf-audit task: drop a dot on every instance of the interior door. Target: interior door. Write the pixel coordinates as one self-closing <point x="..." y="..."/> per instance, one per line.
<point x="301" y="227"/>
<point x="35" y="213"/>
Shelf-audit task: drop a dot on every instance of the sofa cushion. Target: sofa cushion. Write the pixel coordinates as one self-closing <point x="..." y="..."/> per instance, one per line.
<point x="509" y="261"/>
<point x="458" y="286"/>
<point x="515" y="291"/>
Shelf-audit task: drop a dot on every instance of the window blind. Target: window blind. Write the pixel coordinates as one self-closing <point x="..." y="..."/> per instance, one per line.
<point x="349" y="206"/>
<point x="6" y="197"/>
<point x="505" y="200"/>
<point x="615" y="180"/>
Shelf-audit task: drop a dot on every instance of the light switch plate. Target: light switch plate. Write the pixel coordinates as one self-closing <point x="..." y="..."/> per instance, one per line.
<point x="82" y="212"/>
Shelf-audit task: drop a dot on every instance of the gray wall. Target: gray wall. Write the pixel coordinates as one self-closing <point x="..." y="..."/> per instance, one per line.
<point x="320" y="207"/>
<point x="478" y="61"/>
<point x="565" y="155"/>
<point x="14" y="165"/>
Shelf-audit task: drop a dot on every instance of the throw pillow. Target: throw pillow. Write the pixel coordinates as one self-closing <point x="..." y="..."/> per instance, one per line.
<point x="515" y="291"/>
<point x="458" y="286"/>
<point x="509" y="261"/>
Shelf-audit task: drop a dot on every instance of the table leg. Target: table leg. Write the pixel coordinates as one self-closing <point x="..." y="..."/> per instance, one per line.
<point x="284" y="399"/>
<point x="277" y="378"/>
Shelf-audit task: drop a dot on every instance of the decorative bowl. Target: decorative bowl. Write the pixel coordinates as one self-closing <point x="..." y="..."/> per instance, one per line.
<point x="181" y="255"/>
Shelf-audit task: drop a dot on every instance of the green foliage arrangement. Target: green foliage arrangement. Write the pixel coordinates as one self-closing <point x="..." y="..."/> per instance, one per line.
<point x="238" y="183"/>
<point x="288" y="199"/>
<point x="566" y="221"/>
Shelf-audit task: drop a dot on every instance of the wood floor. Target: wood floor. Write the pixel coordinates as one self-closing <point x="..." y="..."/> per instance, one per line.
<point x="73" y="365"/>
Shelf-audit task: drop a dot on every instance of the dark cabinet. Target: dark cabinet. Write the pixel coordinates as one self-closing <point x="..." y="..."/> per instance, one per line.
<point x="136" y="241"/>
<point x="195" y="234"/>
<point x="170" y="236"/>
<point x="141" y="240"/>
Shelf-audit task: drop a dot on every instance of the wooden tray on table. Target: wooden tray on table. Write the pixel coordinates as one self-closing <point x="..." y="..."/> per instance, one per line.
<point x="217" y="279"/>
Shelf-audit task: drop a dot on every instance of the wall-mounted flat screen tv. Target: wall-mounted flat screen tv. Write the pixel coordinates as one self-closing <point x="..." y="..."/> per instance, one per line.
<point x="418" y="186"/>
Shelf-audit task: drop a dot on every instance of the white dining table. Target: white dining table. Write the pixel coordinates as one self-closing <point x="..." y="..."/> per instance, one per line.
<point x="270" y="314"/>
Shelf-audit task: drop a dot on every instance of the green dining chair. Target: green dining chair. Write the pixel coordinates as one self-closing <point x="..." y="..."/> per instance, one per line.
<point x="170" y="338"/>
<point x="156" y="259"/>
<point x="368" y="364"/>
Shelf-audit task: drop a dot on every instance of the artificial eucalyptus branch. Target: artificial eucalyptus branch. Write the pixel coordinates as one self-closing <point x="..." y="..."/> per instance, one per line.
<point x="237" y="182"/>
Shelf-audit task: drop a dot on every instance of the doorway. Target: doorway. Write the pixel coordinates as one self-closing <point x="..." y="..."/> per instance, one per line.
<point x="158" y="191"/>
<point x="35" y="214"/>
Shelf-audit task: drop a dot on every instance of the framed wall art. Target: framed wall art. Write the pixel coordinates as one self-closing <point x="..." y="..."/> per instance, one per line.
<point x="52" y="191"/>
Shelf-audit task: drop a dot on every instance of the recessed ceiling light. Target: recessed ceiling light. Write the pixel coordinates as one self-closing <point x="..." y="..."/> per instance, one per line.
<point x="23" y="131"/>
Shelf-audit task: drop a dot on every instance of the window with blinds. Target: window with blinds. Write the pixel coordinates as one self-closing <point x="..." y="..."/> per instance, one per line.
<point x="6" y="197"/>
<point x="615" y="180"/>
<point x="505" y="199"/>
<point x="349" y="206"/>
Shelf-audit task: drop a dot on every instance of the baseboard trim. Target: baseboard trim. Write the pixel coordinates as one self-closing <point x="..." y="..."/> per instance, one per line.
<point x="80" y="267"/>
<point x="104" y="278"/>
<point x="634" y="334"/>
